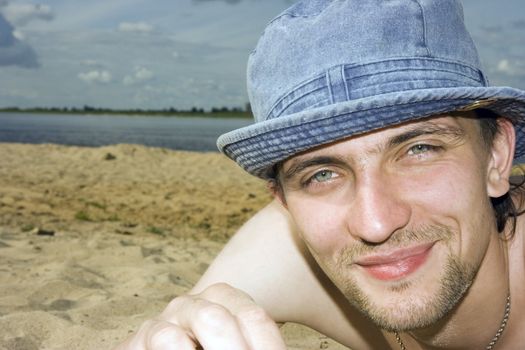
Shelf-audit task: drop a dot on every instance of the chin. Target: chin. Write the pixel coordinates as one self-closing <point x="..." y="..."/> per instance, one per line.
<point x="412" y="303"/>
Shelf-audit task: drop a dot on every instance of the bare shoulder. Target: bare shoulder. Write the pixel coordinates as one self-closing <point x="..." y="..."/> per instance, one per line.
<point x="250" y="256"/>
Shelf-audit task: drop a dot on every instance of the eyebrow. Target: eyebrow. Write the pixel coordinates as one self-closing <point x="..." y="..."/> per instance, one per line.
<point x="428" y="128"/>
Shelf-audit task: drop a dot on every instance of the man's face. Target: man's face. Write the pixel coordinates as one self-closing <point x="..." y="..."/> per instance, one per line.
<point x="399" y="219"/>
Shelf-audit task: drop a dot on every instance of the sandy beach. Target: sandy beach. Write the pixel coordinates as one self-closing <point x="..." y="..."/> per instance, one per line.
<point x="94" y="241"/>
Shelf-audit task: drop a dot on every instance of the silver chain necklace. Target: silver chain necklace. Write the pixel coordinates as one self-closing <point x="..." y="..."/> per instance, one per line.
<point x="492" y="342"/>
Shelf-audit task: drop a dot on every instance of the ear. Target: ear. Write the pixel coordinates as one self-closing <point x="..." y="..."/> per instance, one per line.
<point x="277" y="191"/>
<point x="501" y="157"/>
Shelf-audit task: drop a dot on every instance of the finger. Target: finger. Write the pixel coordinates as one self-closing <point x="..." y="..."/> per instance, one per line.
<point x="211" y="325"/>
<point x="163" y="335"/>
<point x="259" y="329"/>
<point x="158" y="335"/>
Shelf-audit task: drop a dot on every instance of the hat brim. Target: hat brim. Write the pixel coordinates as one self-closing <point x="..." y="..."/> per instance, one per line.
<point x="258" y="147"/>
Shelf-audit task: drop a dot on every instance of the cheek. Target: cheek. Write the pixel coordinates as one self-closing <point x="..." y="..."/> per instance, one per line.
<point x="459" y="200"/>
<point x="446" y="190"/>
<point x="321" y="224"/>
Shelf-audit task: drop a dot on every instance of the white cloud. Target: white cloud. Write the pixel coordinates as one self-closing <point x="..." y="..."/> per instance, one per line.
<point x="140" y="74"/>
<point x="18" y="34"/>
<point x="504" y="67"/>
<point x="96" y="76"/>
<point x="143" y="74"/>
<point x="92" y="63"/>
<point x="135" y="27"/>
<point x="509" y="72"/>
<point x="175" y="54"/>
<point x="21" y="14"/>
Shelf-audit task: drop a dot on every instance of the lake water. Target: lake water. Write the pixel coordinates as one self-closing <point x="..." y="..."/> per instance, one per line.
<point x="180" y="133"/>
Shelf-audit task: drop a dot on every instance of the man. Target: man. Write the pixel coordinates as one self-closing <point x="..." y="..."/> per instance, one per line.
<point x="381" y="138"/>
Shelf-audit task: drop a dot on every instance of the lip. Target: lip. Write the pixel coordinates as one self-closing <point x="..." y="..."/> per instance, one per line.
<point x="396" y="264"/>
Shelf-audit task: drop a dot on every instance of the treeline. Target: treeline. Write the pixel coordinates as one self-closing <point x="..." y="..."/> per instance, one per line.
<point x="222" y="112"/>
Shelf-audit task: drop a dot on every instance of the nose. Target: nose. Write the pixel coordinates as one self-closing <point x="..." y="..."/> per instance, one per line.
<point x="378" y="209"/>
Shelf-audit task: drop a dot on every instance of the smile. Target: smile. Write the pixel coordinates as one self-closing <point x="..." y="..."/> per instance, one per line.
<point x="396" y="264"/>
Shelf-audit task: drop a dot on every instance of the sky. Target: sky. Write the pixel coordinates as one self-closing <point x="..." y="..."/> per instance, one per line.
<point x="156" y="54"/>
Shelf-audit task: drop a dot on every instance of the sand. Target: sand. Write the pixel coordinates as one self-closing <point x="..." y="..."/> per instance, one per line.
<point x="94" y="241"/>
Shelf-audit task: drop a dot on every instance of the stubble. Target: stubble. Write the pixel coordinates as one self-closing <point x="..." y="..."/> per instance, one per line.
<point x="404" y="307"/>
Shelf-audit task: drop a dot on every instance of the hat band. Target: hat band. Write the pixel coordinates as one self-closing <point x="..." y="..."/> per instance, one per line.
<point x="352" y="82"/>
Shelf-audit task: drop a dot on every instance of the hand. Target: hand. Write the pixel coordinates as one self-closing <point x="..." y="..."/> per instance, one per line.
<point x="219" y="318"/>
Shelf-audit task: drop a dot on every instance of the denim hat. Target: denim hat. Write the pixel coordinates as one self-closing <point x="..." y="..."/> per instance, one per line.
<point x="325" y="70"/>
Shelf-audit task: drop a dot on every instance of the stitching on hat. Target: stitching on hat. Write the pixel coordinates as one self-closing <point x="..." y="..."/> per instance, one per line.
<point x="298" y="87"/>
<point x="411" y="80"/>
<point x="462" y="65"/>
<point x="293" y="101"/>
<point x="343" y="75"/>
<point x="336" y="80"/>
<point x="321" y="103"/>
<point x="329" y="85"/>
<point x="417" y="69"/>
<point x="424" y="27"/>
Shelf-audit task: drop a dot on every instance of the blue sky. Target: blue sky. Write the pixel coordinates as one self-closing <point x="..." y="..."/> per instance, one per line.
<point x="178" y="53"/>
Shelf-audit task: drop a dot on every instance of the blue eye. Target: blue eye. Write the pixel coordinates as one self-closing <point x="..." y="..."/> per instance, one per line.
<point x="420" y="149"/>
<point x="323" y="175"/>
